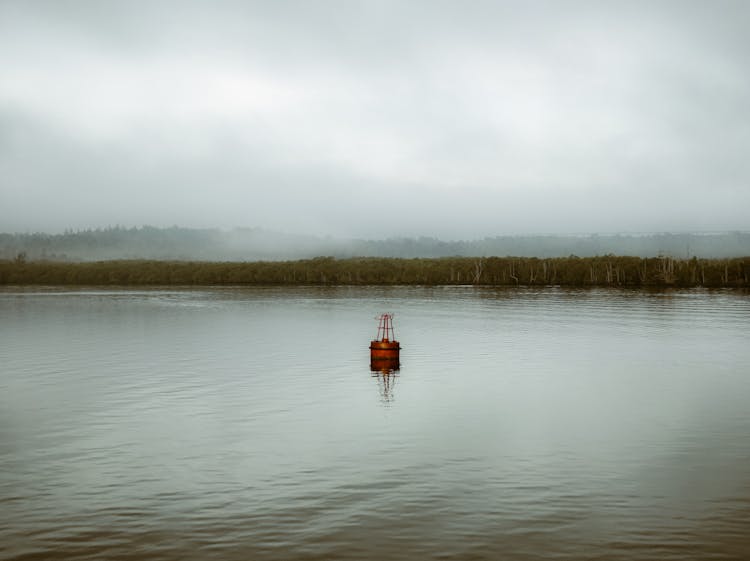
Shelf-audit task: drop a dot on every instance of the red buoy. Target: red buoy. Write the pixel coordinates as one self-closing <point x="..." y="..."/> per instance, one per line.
<point x="384" y="350"/>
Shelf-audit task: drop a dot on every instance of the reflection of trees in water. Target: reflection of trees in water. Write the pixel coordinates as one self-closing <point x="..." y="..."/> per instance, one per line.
<point x="386" y="378"/>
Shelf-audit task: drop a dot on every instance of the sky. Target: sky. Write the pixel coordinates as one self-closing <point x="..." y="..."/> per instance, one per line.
<point x="376" y="119"/>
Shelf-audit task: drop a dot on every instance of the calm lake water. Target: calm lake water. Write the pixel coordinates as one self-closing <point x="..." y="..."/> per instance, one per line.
<point x="246" y="424"/>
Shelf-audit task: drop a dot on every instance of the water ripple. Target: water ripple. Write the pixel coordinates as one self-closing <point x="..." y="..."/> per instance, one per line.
<point x="246" y="424"/>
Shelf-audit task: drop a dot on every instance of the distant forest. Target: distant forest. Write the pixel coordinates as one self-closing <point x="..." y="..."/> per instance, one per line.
<point x="607" y="270"/>
<point x="251" y="244"/>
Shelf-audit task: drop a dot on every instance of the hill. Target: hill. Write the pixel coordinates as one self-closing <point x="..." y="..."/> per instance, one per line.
<point x="252" y="244"/>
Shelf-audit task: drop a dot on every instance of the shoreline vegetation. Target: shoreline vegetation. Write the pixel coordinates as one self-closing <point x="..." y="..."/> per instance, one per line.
<point x="607" y="270"/>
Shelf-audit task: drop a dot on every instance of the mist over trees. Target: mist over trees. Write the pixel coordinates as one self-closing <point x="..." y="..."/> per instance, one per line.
<point x="252" y="244"/>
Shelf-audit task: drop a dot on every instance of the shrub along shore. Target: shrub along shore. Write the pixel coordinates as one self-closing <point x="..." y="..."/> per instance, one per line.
<point x="608" y="270"/>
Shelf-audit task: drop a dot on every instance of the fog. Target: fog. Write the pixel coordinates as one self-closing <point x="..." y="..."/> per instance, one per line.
<point x="375" y="119"/>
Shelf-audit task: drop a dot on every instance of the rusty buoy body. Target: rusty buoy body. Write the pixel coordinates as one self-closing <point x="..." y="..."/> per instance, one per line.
<point x="384" y="349"/>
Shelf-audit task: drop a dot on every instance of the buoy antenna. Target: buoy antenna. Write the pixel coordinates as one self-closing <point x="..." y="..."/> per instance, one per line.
<point x="385" y="328"/>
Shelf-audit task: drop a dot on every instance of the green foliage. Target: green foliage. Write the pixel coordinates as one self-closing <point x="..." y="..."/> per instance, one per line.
<point x="607" y="270"/>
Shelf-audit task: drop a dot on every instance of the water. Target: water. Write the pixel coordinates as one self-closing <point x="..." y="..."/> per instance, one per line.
<point x="246" y="424"/>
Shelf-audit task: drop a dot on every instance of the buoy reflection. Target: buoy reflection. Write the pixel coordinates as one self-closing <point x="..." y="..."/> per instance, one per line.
<point x="386" y="373"/>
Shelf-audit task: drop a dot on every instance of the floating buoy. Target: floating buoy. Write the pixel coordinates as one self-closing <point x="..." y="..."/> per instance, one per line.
<point x="384" y="349"/>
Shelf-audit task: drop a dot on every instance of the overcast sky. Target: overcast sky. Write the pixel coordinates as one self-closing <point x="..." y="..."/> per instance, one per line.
<point x="458" y="119"/>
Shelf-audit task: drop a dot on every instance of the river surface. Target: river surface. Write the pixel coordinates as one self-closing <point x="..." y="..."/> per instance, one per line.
<point x="246" y="424"/>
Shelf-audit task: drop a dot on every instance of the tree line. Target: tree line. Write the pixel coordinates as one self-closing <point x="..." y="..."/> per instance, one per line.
<point x="255" y="244"/>
<point x="607" y="270"/>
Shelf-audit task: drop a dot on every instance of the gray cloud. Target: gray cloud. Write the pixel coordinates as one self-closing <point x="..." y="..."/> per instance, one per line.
<point x="375" y="118"/>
